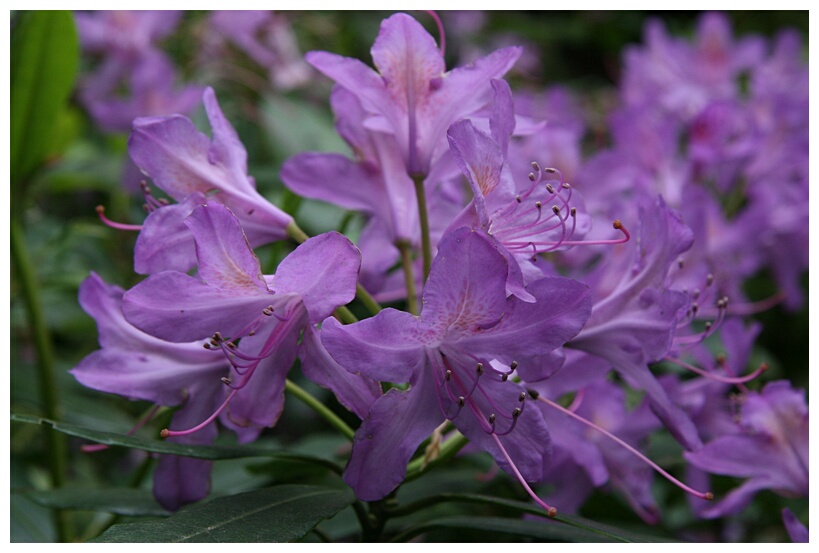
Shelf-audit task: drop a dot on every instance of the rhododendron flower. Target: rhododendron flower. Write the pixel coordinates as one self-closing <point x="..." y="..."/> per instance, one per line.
<point x="457" y="356"/>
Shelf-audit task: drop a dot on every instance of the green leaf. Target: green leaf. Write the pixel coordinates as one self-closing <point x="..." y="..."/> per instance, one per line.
<point x="278" y="514"/>
<point x="212" y="452"/>
<point x="120" y="501"/>
<point x="546" y="530"/>
<point x="44" y="60"/>
<point x="584" y="526"/>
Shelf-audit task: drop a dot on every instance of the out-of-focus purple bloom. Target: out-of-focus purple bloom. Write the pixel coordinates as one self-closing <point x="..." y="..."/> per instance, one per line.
<point x="635" y="314"/>
<point x="230" y="299"/>
<point x="267" y="39"/>
<point x="682" y="77"/>
<point x="186" y="165"/>
<point x="138" y="366"/>
<point x="771" y="450"/>
<point x="411" y="95"/>
<point x="151" y="81"/>
<point x="124" y="34"/>
<point x="796" y="530"/>
<point x="457" y="357"/>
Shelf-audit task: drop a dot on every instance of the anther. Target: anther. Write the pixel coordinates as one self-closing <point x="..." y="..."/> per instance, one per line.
<point x="680" y="263"/>
<point x="550" y="170"/>
<point x="534" y="394"/>
<point x="504" y="377"/>
<point x="492" y="418"/>
<point x="709" y="279"/>
<point x="448" y="375"/>
<point x="522" y="397"/>
<point x="513" y="365"/>
<point x="165" y="433"/>
<point x="550" y="188"/>
<point x="206" y="345"/>
<point x="556" y="210"/>
<point x="532" y="177"/>
<point x="573" y="212"/>
<point x="536" y="167"/>
<point x="538" y="205"/>
<point x="461" y="401"/>
<point x="225" y="380"/>
<point x="566" y="185"/>
<point x="516" y="413"/>
<point x="518" y="199"/>
<point x="479" y="368"/>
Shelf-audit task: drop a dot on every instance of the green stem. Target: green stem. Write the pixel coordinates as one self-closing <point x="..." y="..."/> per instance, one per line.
<point x="365" y="298"/>
<point x="423" y="219"/>
<point x="319" y="408"/>
<point x="449" y="449"/>
<point x="57" y="445"/>
<point x="409" y="276"/>
<point x="345" y="315"/>
<point x="295" y="232"/>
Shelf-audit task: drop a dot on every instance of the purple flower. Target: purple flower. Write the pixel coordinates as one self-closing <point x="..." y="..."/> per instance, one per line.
<point x="151" y="82"/>
<point x="138" y="366"/>
<point x="635" y="314"/>
<point x="411" y="95"/>
<point x="796" y="530"/>
<point x="771" y="451"/>
<point x="124" y="34"/>
<point x="267" y="39"/>
<point x="184" y="162"/>
<point x="457" y="357"/>
<point x="231" y="299"/>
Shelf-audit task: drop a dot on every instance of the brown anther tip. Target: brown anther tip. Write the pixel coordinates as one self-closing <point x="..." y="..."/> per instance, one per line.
<point x="709" y="496"/>
<point x="100" y="209"/>
<point x="531" y="177"/>
<point x="552" y="512"/>
<point x="556" y="209"/>
<point x="206" y="346"/>
<point x="763" y="367"/>
<point x="617" y="224"/>
<point x="165" y="433"/>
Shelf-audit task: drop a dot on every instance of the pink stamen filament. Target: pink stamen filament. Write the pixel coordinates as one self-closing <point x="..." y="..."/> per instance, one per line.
<point x="719" y="378"/>
<point x="440" y="25"/>
<point x="550" y="511"/>
<point x="166" y="433"/>
<point x="617" y="225"/>
<point x="707" y="495"/>
<point x="113" y="224"/>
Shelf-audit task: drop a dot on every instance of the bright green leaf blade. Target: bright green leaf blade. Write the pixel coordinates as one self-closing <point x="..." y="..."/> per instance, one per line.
<point x="120" y="501"/>
<point x="44" y="60"/>
<point x="212" y="452"/>
<point x="278" y="514"/>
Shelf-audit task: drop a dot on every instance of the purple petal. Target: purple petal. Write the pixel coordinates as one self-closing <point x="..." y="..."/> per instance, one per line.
<point x="466" y="290"/>
<point x="397" y="423"/>
<point x="165" y="242"/>
<point x="180" y="308"/>
<point x="385" y="347"/>
<point x="226" y="261"/>
<point x="530" y="331"/>
<point x="355" y="392"/>
<point x="480" y="159"/>
<point x="323" y="271"/>
<point x="796" y="530"/>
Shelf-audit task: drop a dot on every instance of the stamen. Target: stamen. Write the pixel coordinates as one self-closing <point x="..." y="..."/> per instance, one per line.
<point x="706" y="495"/>
<point x="113" y="224"/>
<point x="440" y="25"/>
<point x="93" y="448"/>
<point x="166" y="433"/>
<point x="719" y="378"/>
<point x="551" y="512"/>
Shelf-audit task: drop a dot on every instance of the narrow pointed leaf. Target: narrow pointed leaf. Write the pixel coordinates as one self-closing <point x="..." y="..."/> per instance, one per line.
<point x="212" y="452"/>
<point x="278" y="514"/>
<point x="120" y="501"/>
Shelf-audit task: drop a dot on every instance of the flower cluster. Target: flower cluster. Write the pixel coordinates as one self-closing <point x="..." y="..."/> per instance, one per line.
<point x="537" y="309"/>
